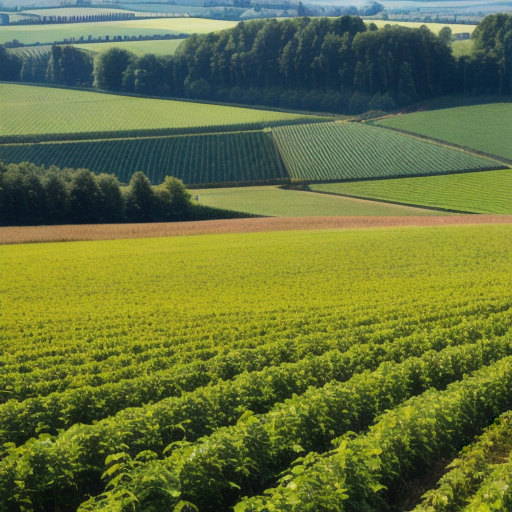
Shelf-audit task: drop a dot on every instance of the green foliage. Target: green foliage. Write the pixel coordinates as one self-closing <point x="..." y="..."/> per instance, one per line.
<point x="217" y="471"/>
<point x="353" y="308"/>
<point x="31" y="195"/>
<point x="472" y="472"/>
<point x="482" y="192"/>
<point x="401" y="444"/>
<point x="109" y="68"/>
<point x="319" y="153"/>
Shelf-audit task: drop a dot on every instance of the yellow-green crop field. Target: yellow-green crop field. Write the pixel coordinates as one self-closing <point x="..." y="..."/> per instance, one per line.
<point x="32" y="110"/>
<point x="48" y="34"/>
<point x="197" y="369"/>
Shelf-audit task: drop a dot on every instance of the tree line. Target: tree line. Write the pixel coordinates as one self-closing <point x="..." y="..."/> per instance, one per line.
<point x="32" y="195"/>
<point x="332" y="64"/>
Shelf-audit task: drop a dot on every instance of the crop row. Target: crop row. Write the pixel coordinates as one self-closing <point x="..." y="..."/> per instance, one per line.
<point x="471" y="469"/>
<point x="240" y="156"/>
<point x="366" y="472"/>
<point x="251" y="452"/>
<point x="293" y="367"/>
<point x="335" y="151"/>
<point x="105" y="365"/>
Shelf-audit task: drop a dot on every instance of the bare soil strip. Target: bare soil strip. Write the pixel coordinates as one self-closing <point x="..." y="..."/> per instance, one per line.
<point x="44" y="234"/>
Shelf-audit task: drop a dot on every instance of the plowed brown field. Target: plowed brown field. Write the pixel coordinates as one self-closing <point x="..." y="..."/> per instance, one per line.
<point x="42" y="234"/>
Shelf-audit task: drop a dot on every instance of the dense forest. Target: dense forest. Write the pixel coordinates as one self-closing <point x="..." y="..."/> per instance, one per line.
<point x="32" y="195"/>
<point x="331" y="64"/>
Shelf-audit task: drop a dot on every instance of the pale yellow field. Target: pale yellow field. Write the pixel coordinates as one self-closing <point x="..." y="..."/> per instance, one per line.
<point x="434" y="27"/>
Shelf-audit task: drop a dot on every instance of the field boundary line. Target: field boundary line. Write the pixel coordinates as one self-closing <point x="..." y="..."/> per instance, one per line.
<point x="447" y="144"/>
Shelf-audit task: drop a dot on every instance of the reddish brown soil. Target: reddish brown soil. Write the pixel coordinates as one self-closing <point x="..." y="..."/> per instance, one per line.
<point x="39" y="234"/>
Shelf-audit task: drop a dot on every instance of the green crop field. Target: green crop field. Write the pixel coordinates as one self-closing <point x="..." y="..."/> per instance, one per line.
<point x="238" y="156"/>
<point x="165" y="47"/>
<point x="197" y="369"/>
<point x="47" y="34"/>
<point x="31" y="110"/>
<point x="276" y="202"/>
<point x="479" y="192"/>
<point x="334" y="151"/>
<point x="485" y="128"/>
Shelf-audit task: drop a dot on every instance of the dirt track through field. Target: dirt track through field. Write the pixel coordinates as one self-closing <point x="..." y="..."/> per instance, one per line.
<point x="42" y="234"/>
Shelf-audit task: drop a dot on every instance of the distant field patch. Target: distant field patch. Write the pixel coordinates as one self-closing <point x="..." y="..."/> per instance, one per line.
<point x="157" y="47"/>
<point x="47" y="34"/>
<point x="31" y="110"/>
<point x="434" y="27"/>
<point x="479" y="192"/>
<point x="340" y="151"/>
<point x="461" y="48"/>
<point x="276" y="202"/>
<point x="485" y="128"/>
<point x="215" y="158"/>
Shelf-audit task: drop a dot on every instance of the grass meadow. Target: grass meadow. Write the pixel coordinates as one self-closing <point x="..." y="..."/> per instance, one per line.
<point x="479" y="192"/>
<point x="277" y="202"/>
<point x="486" y="127"/>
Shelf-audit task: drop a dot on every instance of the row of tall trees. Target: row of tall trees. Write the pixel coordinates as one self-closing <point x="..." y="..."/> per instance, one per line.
<point x="32" y="195"/>
<point x="333" y="64"/>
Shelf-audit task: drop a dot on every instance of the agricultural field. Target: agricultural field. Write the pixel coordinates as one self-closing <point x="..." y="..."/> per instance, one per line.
<point x="194" y="159"/>
<point x="479" y="192"/>
<point x="486" y="128"/>
<point x="277" y="202"/>
<point x="53" y="112"/>
<point x="162" y="47"/>
<point x="199" y="368"/>
<point x="48" y="34"/>
<point x="335" y="151"/>
<point x="456" y="28"/>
